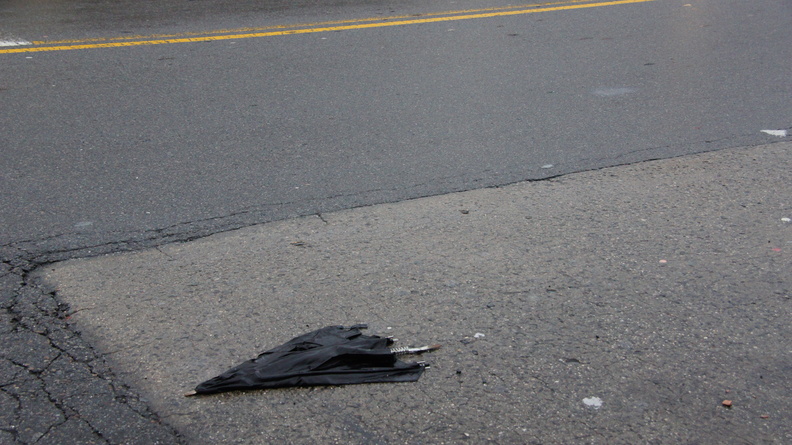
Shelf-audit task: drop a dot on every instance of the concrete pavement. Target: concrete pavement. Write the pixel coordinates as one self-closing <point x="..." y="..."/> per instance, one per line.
<point x="622" y="305"/>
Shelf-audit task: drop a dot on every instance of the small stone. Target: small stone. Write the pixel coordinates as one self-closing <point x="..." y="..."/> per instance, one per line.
<point x="594" y="402"/>
<point x="727" y="403"/>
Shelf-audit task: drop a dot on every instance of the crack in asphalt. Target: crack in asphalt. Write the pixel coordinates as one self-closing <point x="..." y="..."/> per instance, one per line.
<point x="26" y="308"/>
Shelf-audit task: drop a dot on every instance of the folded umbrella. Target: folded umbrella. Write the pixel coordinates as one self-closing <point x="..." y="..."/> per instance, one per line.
<point x="333" y="355"/>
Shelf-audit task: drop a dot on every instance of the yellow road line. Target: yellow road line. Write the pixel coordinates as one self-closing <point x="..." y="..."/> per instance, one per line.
<point x="461" y="15"/>
<point x="301" y="25"/>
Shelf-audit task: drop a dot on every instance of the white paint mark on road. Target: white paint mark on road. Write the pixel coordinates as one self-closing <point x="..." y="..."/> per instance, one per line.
<point x="547" y="166"/>
<point x="779" y="133"/>
<point x="608" y="92"/>
<point x="594" y="402"/>
<point x="15" y="42"/>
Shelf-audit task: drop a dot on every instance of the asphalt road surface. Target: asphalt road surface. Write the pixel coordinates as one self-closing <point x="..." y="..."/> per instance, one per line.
<point x="129" y="124"/>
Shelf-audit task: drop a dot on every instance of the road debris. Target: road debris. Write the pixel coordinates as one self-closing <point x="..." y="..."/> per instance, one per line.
<point x="594" y="402"/>
<point x="777" y="133"/>
<point x="333" y="355"/>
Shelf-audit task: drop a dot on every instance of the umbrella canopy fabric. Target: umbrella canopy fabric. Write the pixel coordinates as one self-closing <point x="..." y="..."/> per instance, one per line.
<point x="333" y="355"/>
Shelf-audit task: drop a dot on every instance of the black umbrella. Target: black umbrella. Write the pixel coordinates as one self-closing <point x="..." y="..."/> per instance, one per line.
<point x="334" y="355"/>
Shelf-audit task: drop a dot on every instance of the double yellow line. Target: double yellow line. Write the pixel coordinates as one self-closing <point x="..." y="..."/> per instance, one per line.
<point x="282" y="30"/>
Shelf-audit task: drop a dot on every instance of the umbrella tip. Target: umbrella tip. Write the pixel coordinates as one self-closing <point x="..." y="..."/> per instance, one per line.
<point x="190" y="394"/>
<point x="404" y="350"/>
